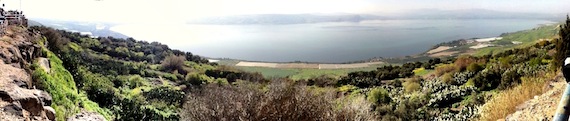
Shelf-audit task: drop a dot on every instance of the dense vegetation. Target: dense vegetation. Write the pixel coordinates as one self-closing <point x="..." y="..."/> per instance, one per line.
<point x="457" y="89"/>
<point x="125" y="79"/>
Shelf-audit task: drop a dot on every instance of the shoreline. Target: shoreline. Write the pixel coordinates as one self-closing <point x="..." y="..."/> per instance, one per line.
<point x="437" y="51"/>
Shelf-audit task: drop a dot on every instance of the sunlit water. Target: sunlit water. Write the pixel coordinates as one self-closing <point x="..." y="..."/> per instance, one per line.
<point x="320" y="42"/>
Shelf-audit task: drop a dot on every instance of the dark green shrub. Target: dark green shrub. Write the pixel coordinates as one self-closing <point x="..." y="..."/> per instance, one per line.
<point x="167" y="94"/>
<point x="379" y="96"/>
<point x="475" y="67"/>
<point x="196" y="79"/>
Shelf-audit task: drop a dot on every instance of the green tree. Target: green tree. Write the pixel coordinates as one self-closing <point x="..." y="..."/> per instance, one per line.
<point x="562" y="44"/>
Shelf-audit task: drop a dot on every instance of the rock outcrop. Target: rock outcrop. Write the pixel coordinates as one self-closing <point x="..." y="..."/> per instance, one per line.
<point x="18" y="98"/>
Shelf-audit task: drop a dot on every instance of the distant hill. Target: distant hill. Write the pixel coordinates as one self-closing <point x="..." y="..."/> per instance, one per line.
<point x="34" y="23"/>
<point x="97" y="29"/>
<point x="284" y="19"/>
<point x="473" y="14"/>
<point x="414" y="14"/>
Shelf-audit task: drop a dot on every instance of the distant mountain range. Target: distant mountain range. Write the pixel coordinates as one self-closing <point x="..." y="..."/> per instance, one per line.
<point x="416" y="14"/>
<point x="473" y="14"/>
<point x="284" y="19"/>
<point x="96" y="29"/>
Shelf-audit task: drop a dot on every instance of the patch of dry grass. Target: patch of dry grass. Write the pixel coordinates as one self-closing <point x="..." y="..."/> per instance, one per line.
<point x="505" y="102"/>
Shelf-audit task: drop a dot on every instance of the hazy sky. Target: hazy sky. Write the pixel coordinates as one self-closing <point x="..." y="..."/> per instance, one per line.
<point x="180" y="10"/>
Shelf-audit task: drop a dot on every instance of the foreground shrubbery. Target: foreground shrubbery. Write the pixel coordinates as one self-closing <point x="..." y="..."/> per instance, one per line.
<point x="505" y="103"/>
<point x="280" y="100"/>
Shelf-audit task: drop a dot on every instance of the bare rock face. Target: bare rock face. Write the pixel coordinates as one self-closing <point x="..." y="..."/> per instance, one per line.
<point x="18" y="98"/>
<point x="87" y="116"/>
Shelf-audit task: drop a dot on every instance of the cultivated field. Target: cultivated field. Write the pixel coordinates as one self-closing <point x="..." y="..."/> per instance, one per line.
<point x="306" y="65"/>
<point x="438" y="49"/>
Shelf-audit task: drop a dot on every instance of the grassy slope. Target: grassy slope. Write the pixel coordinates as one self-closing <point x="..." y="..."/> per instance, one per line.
<point x="527" y="37"/>
<point x="60" y="84"/>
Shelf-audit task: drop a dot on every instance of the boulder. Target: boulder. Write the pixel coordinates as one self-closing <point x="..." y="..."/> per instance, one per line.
<point x="26" y="98"/>
<point x="50" y="113"/>
<point x="44" y="63"/>
<point x="32" y="105"/>
<point x="14" y="109"/>
<point x="44" y="97"/>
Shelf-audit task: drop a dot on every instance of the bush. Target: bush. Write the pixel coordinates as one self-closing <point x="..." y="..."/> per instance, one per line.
<point x="136" y="81"/>
<point x="412" y="85"/>
<point x="411" y="108"/>
<point x="196" y="79"/>
<point x="475" y="67"/>
<point x="283" y="100"/>
<point x="166" y="94"/>
<point x="172" y="63"/>
<point x="447" y="78"/>
<point x="463" y="61"/>
<point x="55" y="41"/>
<point x="322" y="81"/>
<point x="447" y="68"/>
<point x="379" y="96"/>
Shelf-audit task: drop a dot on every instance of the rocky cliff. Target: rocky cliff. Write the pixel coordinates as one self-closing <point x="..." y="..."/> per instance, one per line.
<point x="19" y="98"/>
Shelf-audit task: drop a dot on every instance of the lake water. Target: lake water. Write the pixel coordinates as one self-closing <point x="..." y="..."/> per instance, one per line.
<point x="320" y="42"/>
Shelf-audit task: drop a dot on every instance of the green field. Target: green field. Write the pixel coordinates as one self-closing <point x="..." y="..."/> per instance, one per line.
<point x="297" y="74"/>
<point x="422" y="71"/>
<point x="527" y="37"/>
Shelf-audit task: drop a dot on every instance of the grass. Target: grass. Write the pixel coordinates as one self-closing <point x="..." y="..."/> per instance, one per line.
<point x="271" y="72"/>
<point x="295" y="74"/>
<point x="67" y="101"/>
<point x="298" y="74"/>
<point x="527" y="37"/>
<point x="505" y="102"/>
<point x="313" y="73"/>
<point x="422" y="71"/>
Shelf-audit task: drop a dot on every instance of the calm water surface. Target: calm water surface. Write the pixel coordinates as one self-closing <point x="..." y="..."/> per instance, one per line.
<point x="320" y="42"/>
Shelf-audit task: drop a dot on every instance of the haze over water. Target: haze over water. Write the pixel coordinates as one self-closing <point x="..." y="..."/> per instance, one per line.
<point x="321" y="42"/>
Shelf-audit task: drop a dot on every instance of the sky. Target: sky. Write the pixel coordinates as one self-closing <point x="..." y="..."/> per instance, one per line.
<point x="151" y="11"/>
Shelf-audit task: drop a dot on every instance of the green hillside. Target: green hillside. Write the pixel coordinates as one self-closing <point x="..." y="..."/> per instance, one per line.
<point x="126" y="79"/>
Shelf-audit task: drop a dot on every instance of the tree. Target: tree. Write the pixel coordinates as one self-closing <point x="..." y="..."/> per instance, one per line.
<point x="562" y="44"/>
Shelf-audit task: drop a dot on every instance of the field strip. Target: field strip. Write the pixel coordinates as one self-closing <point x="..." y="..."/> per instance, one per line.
<point x="306" y="65"/>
